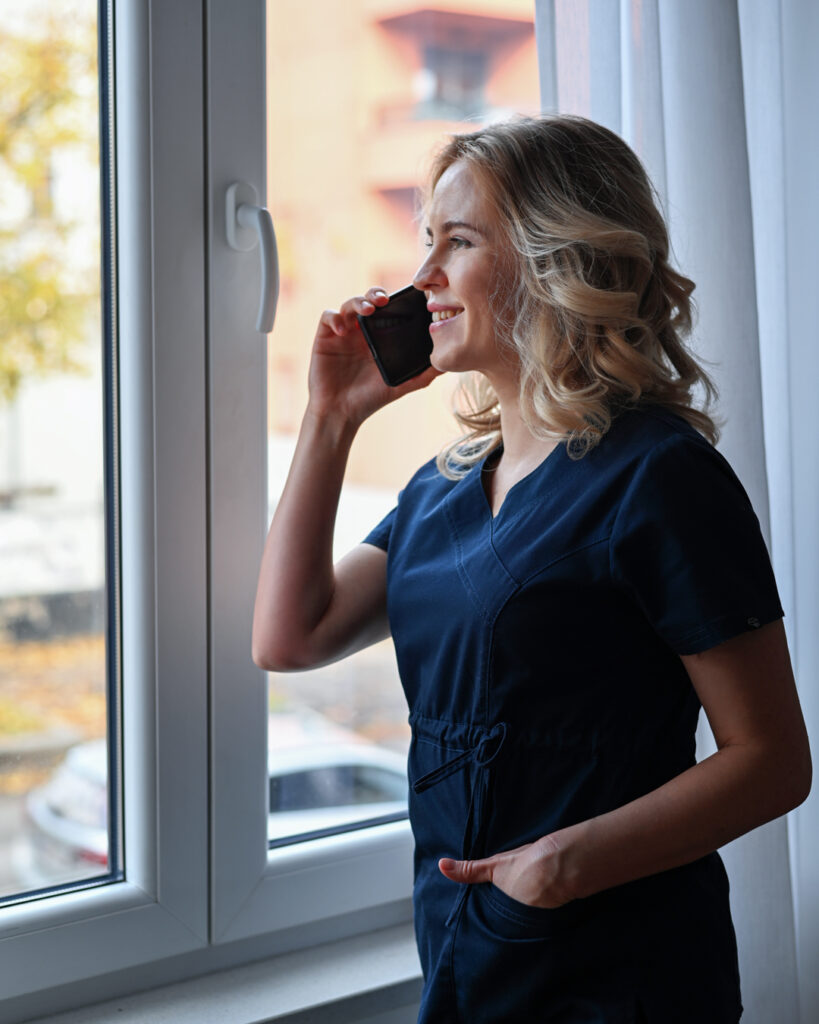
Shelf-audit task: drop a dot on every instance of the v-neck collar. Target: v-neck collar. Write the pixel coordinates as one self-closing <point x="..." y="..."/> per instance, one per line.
<point x="519" y="485"/>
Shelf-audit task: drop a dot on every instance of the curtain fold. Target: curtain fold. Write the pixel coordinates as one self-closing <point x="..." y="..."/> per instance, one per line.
<point x="717" y="98"/>
<point x="796" y="342"/>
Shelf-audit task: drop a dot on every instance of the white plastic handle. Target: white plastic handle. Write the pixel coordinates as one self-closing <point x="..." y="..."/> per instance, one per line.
<point x="249" y="225"/>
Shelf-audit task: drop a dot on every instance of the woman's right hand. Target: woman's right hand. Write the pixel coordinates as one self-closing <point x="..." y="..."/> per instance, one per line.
<point x="344" y="379"/>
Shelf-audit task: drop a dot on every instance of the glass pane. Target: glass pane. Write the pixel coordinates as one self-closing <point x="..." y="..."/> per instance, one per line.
<point x="54" y="652"/>
<point x="358" y="95"/>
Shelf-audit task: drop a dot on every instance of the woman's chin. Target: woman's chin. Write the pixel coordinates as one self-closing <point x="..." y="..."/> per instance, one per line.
<point x="437" y="362"/>
<point x="448" y="362"/>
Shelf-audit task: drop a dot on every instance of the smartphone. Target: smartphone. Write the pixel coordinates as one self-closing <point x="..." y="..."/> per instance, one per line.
<point x="398" y="335"/>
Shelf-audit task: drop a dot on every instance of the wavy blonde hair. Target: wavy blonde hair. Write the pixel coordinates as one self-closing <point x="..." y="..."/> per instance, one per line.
<point x="596" y="315"/>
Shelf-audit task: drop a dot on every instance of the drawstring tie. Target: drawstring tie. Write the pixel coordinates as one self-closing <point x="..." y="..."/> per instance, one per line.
<point x="481" y="754"/>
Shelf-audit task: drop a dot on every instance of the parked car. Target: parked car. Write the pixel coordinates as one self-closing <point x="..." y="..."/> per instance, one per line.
<point x="321" y="777"/>
<point x="65" y="832"/>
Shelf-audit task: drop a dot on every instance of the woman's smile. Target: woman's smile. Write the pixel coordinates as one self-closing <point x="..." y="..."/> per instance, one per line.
<point x="439" y="315"/>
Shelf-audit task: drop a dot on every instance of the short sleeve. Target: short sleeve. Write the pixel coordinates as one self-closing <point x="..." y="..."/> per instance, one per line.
<point x="379" y="536"/>
<point x="687" y="547"/>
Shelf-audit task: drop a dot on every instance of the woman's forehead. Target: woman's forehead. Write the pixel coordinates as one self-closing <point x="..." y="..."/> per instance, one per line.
<point x="458" y="196"/>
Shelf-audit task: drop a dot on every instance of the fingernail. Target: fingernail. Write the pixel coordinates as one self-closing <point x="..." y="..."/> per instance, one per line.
<point x="367" y="305"/>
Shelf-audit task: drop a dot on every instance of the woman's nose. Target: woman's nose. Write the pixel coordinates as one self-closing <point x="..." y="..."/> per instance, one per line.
<point x="429" y="275"/>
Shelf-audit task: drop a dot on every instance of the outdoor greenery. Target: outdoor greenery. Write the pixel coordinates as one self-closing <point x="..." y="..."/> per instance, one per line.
<point x="48" y="107"/>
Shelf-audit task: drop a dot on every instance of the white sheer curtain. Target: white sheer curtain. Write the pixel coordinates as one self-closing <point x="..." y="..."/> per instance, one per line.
<point x="719" y="99"/>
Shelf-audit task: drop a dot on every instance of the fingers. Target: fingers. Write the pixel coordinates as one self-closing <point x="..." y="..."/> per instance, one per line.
<point x="333" y="321"/>
<point x="363" y="305"/>
<point x="376" y="297"/>
<point x="343" y="320"/>
<point x="467" y="872"/>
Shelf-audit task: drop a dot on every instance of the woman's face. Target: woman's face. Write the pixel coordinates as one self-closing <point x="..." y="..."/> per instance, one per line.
<point x="460" y="274"/>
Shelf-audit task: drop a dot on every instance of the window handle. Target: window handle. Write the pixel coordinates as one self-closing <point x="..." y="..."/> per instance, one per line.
<point x="249" y="225"/>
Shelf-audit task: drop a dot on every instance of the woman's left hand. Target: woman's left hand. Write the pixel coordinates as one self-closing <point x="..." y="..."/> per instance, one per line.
<point x="529" y="874"/>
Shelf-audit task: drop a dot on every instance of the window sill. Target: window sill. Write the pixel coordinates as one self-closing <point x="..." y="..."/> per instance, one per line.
<point x="375" y="978"/>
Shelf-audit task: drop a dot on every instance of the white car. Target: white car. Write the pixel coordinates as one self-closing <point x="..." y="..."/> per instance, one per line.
<point x="326" y="778"/>
<point x="322" y="779"/>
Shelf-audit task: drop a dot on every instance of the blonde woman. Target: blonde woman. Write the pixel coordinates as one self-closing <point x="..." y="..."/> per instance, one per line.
<point x="566" y="586"/>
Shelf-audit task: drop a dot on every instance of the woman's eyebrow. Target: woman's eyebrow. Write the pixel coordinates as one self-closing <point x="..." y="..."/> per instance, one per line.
<point x="450" y="224"/>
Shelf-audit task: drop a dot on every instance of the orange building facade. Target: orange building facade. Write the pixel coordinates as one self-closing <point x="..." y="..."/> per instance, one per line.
<point x="359" y="94"/>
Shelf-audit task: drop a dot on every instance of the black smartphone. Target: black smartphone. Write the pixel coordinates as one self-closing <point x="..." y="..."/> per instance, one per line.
<point x="398" y="335"/>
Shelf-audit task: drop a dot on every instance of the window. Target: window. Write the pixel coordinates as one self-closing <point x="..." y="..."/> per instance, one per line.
<point x="452" y="83"/>
<point x="59" y="629"/>
<point x="151" y="485"/>
<point x="343" y="169"/>
<point x="238" y="837"/>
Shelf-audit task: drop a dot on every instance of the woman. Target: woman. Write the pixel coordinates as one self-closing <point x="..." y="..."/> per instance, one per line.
<point x="565" y="586"/>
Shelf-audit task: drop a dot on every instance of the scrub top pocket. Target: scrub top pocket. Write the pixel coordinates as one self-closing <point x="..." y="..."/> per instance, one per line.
<point x="513" y="920"/>
<point x="517" y="964"/>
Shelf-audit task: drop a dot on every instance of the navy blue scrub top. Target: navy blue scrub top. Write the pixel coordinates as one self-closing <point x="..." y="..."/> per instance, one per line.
<point x="539" y="653"/>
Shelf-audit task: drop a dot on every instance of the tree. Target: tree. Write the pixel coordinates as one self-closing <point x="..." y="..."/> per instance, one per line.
<point x="48" y="106"/>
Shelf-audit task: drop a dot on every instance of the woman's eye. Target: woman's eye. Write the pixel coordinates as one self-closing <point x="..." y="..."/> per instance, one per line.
<point x="454" y="242"/>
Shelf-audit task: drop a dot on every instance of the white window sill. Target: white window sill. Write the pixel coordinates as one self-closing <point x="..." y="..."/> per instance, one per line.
<point x="374" y="977"/>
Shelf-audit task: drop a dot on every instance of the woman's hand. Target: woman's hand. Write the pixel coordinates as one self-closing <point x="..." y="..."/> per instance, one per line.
<point x="343" y="376"/>
<point x="529" y="874"/>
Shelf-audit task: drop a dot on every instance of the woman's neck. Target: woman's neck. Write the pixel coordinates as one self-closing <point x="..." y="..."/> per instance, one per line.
<point x="521" y="449"/>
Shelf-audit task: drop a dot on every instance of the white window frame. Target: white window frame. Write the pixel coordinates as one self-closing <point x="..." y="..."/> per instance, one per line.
<point x="193" y="415"/>
<point x="161" y="910"/>
<point x="338" y="877"/>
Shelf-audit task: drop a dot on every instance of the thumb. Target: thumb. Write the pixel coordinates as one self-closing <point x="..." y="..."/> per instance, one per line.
<point x="466" y="872"/>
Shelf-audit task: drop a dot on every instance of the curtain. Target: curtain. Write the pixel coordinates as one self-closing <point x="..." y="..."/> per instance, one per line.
<point x="718" y="97"/>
